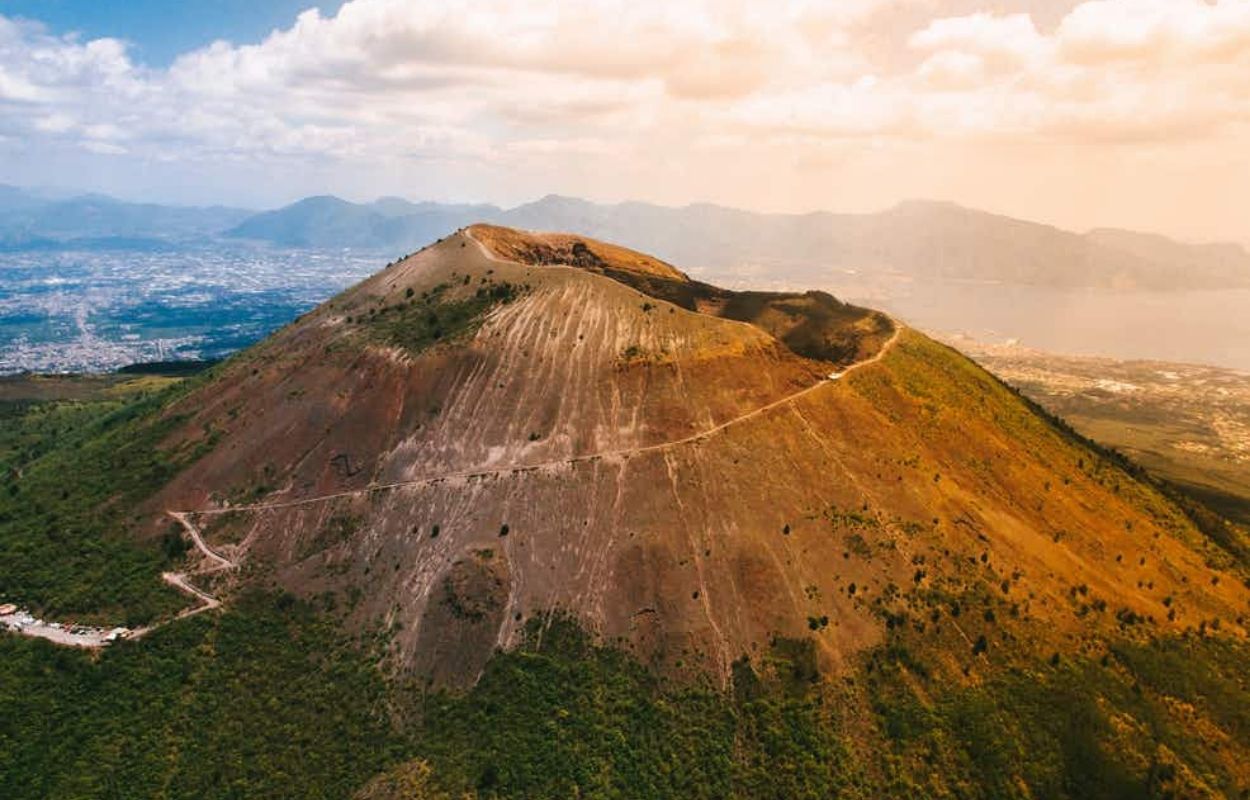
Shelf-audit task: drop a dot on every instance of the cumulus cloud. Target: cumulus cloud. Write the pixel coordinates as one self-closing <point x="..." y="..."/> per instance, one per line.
<point x="504" y="82"/>
<point x="1013" y="37"/>
<point x="1157" y="32"/>
<point x="387" y="77"/>
<point x="1112" y="70"/>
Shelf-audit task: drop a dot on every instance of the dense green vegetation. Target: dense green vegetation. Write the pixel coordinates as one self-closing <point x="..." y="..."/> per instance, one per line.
<point x="267" y="700"/>
<point x="564" y="719"/>
<point x="270" y="699"/>
<point x="560" y="717"/>
<point x="417" y="323"/>
<point x="264" y="701"/>
<point x="73" y="473"/>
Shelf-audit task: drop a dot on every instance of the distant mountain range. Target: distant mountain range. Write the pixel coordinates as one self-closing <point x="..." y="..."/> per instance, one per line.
<point x="917" y="239"/>
<point x="387" y="223"/>
<point x="31" y="220"/>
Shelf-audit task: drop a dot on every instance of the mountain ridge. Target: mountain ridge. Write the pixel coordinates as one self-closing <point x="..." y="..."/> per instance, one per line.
<point x="923" y="239"/>
<point x="27" y="216"/>
<point x="918" y="239"/>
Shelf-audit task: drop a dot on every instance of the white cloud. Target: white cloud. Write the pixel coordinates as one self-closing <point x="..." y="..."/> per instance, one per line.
<point x="1157" y="31"/>
<point x="382" y="71"/>
<point x="952" y="70"/>
<point x="390" y="76"/>
<point x="623" y="85"/>
<point x="1013" y="38"/>
<point x="1112" y="70"/>
<point x="54" y="123"/>
<point x="103" y="148"/>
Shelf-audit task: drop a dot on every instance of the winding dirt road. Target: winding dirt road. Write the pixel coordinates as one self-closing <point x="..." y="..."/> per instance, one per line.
<point x="179" y="580"/>
<point x="221" y="561"/>
<point x="89" y="637"/>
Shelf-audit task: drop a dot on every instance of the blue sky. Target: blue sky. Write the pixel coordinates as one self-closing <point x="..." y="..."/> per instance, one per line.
<point x="160" y="30"/>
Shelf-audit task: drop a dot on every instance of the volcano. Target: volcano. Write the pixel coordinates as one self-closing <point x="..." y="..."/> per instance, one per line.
<point x="533" y="515"/>
<point x="509" y="424"/>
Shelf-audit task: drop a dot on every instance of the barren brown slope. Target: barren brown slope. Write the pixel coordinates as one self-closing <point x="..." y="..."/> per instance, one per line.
<point x="813" y="324"/>
<point x="546" y="450"/>
<point x="529" y="247"/>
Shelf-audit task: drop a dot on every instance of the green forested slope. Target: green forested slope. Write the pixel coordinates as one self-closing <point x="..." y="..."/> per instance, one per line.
<point x="269" y="698"/>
